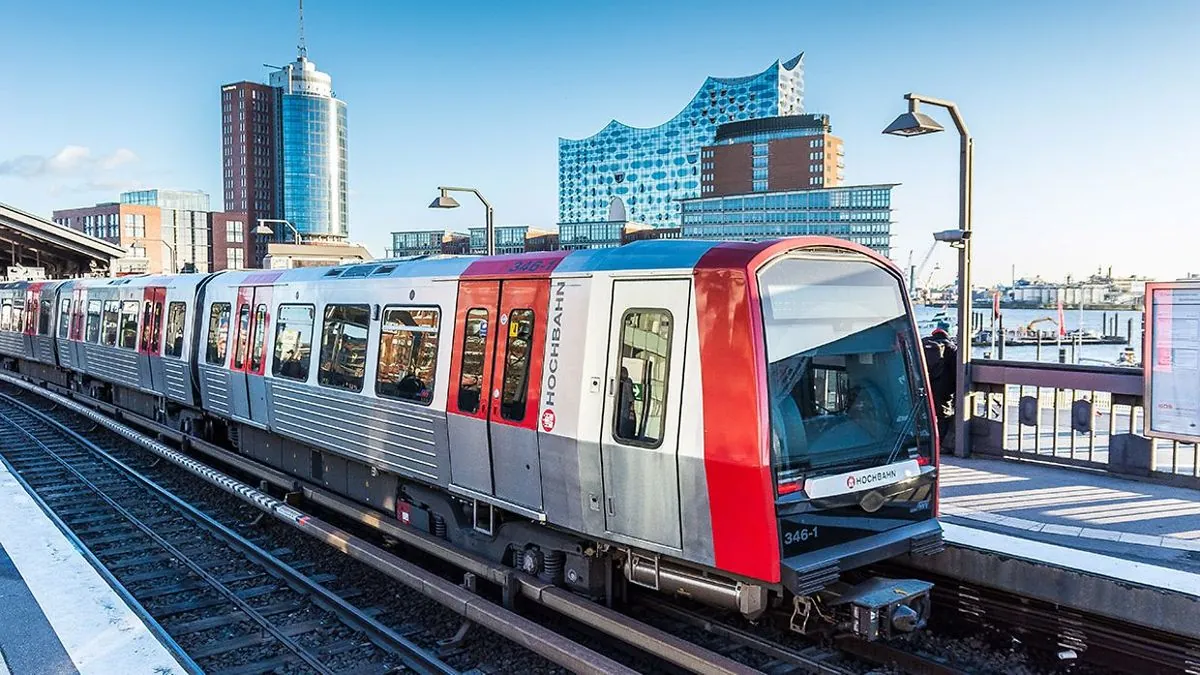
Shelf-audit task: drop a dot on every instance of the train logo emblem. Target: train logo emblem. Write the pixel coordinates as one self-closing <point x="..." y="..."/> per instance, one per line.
<point x="850" y="482"/>
<point x="548" y="420"/>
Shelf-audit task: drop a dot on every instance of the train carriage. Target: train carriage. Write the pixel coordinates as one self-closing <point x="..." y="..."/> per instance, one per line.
<point x="745" y="424"/>
<point x="133" y="335"/>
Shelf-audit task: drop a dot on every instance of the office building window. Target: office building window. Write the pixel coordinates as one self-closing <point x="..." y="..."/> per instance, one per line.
<point x="234" y="232"/>
<point x="235" y="259"/>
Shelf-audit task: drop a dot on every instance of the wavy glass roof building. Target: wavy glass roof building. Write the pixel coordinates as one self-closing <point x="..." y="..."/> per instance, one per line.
<point x="649" y="170"/>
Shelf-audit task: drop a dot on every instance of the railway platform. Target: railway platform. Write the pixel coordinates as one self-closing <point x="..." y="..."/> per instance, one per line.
<point x="1128" y="519"/>
<point x="57" y="614"/>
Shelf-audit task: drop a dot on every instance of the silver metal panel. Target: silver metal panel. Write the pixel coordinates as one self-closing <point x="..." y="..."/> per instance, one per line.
<point x="516" y="467"/>
<point x="695" y="515"/>
<point x="239" y="401"/>
<point x="158" y="373"/>
<point x="470" y="456"/>
<point x="256" y="386"/>
<point x="12" y="344"/>
<point x="112" y="364"/>
<point x="146" y="373"/>
<point x="214" y="389"/>
<point x="409" y="440"/>
<point x="66" y="354"/>
<point x="43" y="349"/>
<point x="560" y="484"/>
<point x="177" y="379"/>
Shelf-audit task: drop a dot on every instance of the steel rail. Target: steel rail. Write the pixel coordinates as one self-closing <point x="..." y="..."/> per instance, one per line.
<point x="414" y="657"/>
<point x="499" y="620"/>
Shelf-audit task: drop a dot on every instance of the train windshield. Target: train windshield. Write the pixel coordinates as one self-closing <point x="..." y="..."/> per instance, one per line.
<point x="843" y="373"/>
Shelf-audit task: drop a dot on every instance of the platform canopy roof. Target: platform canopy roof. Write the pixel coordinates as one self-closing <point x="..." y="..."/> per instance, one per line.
<point x="31" y="241"/>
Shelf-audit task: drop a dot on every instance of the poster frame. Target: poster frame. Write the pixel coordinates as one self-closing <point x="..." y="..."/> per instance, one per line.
<point x="1148" y="341"/>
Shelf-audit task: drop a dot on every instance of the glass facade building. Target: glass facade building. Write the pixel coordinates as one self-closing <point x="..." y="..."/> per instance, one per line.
<point x="311" y="152"/>
<point x="509" y="238"/>
<point x="649" y="170"/>
<point x="186" y="200"/>
<point x="860" y="213"/>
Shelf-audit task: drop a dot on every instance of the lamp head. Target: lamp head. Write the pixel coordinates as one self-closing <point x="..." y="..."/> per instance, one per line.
<point x="264" y="230"/>
<point x="444" y="201"/>
<point x="913" y="123"/>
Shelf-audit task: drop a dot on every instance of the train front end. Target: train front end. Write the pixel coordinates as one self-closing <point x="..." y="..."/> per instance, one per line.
<point x="852" y="438"/>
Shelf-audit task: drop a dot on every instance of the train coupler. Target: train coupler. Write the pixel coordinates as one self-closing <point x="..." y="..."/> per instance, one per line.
<point x="880" y="607"/>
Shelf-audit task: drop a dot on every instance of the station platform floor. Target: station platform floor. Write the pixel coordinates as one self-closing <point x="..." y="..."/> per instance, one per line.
<point x="1134" y="520"/>
<point x="57" y="614"/>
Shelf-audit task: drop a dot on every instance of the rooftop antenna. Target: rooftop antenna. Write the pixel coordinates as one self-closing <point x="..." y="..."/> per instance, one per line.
<point x="301" y="47"/>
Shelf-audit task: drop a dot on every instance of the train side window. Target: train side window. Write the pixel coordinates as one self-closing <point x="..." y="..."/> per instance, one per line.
<point x="516" y="365"/>
<point x="344" y="346"/>
<point x="110" y="323"/>
<point x="218" y="333"/>
<point x="243" y="337"/>
<point x="293" y="341"/>
<point x="44" y="318"/>
<point x="260" y="339"/>
<point x="642" y="368"/>
<point x="129" y="324"/>
<point x="176" y="315"/>
<point x="64" y="318"/>
<point x="6" y="315"/>
<point x="18" y="315"/>
<point x="470" y="382"/>
<point x="93" y="321"/>
<point x="408" y="344"/>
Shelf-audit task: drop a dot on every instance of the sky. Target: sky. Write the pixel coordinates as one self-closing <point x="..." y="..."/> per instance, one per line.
<point x="1083" y="113"/>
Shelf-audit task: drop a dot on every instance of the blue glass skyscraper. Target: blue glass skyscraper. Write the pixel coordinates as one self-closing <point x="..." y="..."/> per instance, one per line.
<point x="649" y="170"/>
<point x="310" y="144"/>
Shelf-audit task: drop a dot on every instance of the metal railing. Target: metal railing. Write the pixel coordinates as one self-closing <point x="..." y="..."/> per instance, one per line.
<point x="1084" y="416"/>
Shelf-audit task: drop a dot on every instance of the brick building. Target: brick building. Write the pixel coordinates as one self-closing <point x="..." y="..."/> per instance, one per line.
<point x="773" y="154"/>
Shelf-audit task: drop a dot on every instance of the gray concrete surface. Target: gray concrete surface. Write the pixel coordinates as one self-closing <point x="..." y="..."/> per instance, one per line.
<point x="28" y="645"/>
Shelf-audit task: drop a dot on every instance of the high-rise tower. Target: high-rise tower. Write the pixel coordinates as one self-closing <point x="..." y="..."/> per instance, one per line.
<point x="284" y="150"/>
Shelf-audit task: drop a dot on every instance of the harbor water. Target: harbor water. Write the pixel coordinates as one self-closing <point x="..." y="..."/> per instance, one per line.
<point x="1087" y="320"/>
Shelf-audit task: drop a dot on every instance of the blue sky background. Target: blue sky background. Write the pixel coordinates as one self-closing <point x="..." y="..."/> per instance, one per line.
<point x="1084" y="113"/>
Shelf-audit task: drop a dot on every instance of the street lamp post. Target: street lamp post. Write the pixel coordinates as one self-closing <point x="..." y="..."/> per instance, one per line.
<point x="916" y="123"/>
<point x="171" y="248"/>
<point x="445" y="201"/>
<point x="271" y="231"/>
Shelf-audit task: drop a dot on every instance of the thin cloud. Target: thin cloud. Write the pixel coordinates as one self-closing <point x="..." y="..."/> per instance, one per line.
<point x="70" y="160"/>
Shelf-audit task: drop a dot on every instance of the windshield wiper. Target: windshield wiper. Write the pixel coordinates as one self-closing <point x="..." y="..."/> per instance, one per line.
<point x="912" y="416"/>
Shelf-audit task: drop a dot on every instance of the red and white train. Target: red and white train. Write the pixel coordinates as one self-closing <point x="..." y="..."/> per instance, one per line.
<point x="742" y="423"/>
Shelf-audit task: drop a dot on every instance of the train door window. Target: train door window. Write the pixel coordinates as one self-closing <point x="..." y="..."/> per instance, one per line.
<point x="64" y="318"/>
<point x="110" y="323"/>
<point x="92" y="333"/>
<point x="129" y="324"/>
<point x="344" y="346"/>
<point x="642" y="368"/>
<point x="18" y="315"/>
<point x="470" y="382"/>
<point x="259" y="340"/>
<point x="243" y="337"/>
<point x="516" y="365"/>
<point x="147" y="325"/>
<point x="156" y="334"/>
<point x="408" y="344"/>
<point x="44" y="318"/>
<point x="218" y="333"/>
<point x="293" y="341"/>
<point x="176" y="315"/>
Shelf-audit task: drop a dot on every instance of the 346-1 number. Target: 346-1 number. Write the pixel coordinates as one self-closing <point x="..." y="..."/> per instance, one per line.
<point x="800" y="535"/>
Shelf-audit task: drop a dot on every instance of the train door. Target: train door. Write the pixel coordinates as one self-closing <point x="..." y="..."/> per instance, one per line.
<point x="150" y="364"/>
<point x="470" y="376"/>
<point x="247" y="389"/>
<point x="516" y="386"/>
<point x="639" y="441"/>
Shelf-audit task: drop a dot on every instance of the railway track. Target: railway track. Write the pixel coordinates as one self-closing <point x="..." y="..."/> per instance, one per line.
<point x="224" y="604"/>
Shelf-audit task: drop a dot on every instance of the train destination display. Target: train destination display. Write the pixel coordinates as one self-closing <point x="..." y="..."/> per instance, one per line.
<point x="1172" y="366"/>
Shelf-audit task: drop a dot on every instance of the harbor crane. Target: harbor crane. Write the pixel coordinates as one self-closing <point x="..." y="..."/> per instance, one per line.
<point x="914" y="272"/>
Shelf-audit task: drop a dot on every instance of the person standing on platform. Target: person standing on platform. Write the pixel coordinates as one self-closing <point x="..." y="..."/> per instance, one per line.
<point x="941" y="357"/>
